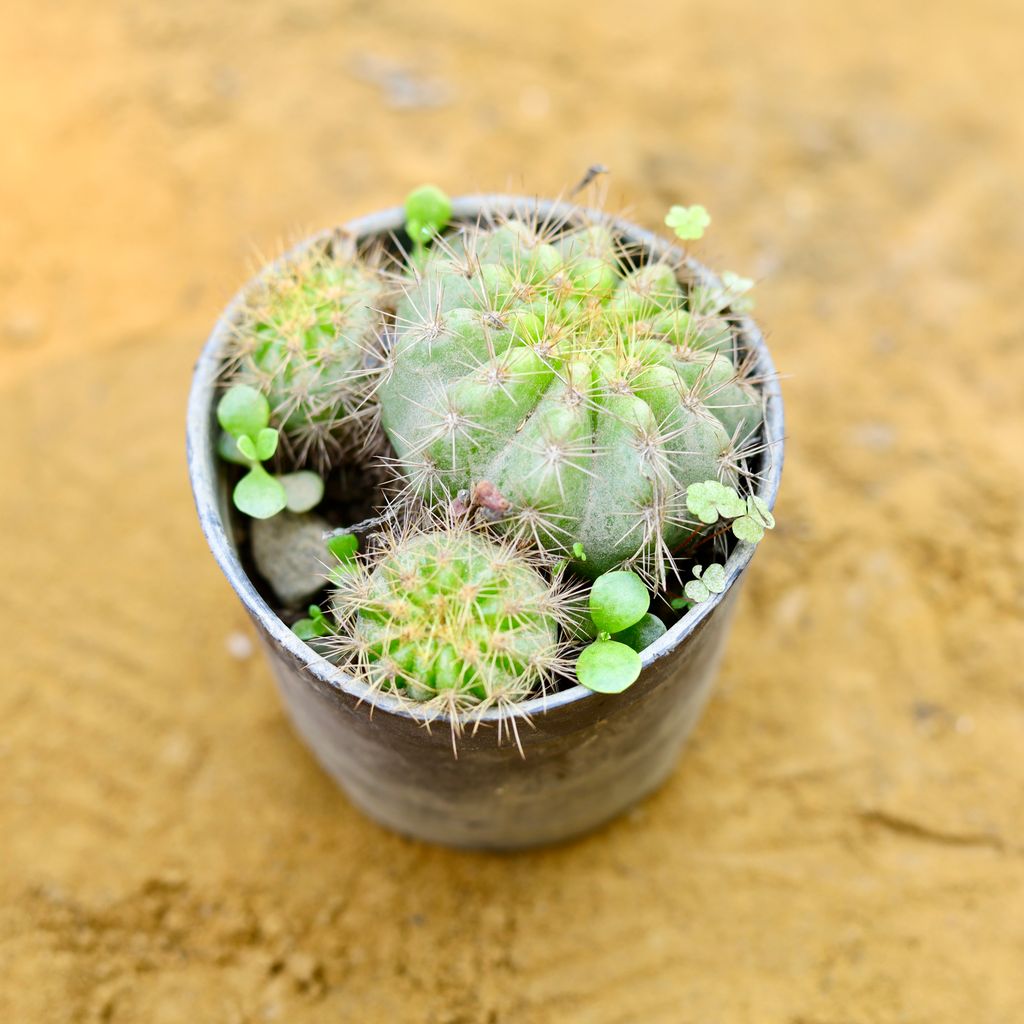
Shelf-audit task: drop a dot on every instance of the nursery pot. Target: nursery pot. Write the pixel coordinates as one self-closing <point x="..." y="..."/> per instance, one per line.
<point x="584" y="757"/>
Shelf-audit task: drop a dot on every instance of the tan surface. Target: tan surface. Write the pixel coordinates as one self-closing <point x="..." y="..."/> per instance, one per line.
<point x="844" y="842"/>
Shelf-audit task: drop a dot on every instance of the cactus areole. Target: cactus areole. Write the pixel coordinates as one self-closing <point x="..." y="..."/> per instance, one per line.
<point x="586" y="388"/>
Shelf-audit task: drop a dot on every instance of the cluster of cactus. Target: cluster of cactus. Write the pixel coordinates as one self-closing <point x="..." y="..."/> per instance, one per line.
<point x="446" y="614"/>
<point x="593" y="404"/>
<point x="585" y="389"/>
<point x="305" y="339"/>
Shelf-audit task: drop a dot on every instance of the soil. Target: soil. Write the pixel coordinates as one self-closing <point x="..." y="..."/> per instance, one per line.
<point x="844" y="841"/>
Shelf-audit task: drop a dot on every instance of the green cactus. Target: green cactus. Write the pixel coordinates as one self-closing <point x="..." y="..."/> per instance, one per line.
<point x="450" y="616"/>
<point x="304" y="339"/>
<point x="579" y="385"/>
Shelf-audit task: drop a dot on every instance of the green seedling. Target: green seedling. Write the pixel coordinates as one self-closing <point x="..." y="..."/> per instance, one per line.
<point x="758" y="518"/>
<point x="619" y="604"/>
<point x="315" y="627"/>
<point x="711" y="500"/>
<point x="688" y="222"/>
<point x="343" y="547"/>
<point x="642" y="634"/>
<point x="427" y="213"/>
<point x="706" y="582"/>
<point x="244" y="414"/>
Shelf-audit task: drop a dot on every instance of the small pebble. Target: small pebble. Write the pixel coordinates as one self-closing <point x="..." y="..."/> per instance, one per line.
<point x="239" y="645"/>
<point x="289" y="552"/>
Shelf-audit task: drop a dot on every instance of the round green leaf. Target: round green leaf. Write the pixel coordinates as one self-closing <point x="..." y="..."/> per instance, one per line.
<point x="608" y="666"/>
<point x="711" y="498"/>
<point x="246" y="448"/>
<point x="757" y="508"/>
<point x="243" y="411"/>
<point x="266" y="443"/>
<point x="227" y="449"/>
<point x="427" y="211"/>
<point x="748" y="529"/>
<point x="642" y="634"/>
<point x="258" y="494"/>
<point x="303" y="490"/>
<point x="696" y="591"/>
<point x="617" y="600"/>
<point x="688" y="222"/>
<point x="713" y="578"/>
<point x="343" y="546"/>
<point x="305" y="629"/>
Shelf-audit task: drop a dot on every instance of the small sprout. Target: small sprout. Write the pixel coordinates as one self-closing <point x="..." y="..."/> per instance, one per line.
<point x="258" y="494"/>
<point x="314" y="627"/>
<point x="710" y="500"/>
<point x="427" y="213"/>
<point x="608" y="666"/>
<point x="618" y="605"/>
<point x="578" y="552"/>
<point x="243" y="411"/>
<point x="266" y="444"/>
<point x="244" y="414"/>
<point x="618" y="600"/>
<point x="680" y="604"/>
<point x="642" y="634"/>
<point x="758" y="518"/>
<point x="688" y="222"/>
<point x="227" y="449"/>
<point x="304" y="490"/>
<point x="708" y="581"/>
<point x="247" y="448"/>
<point x="343" y="546"/>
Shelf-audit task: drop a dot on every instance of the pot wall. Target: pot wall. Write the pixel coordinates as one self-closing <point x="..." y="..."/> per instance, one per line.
<point x="582" y="764"/>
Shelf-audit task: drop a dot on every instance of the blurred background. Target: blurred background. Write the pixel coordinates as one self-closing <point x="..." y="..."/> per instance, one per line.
<point x="844" y="841"/>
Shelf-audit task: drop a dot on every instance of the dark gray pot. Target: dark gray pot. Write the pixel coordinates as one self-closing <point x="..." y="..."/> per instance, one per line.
<point x="587" y="758"/>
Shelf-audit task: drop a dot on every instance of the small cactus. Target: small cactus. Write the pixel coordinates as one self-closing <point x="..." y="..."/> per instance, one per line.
<point x="585" y="389"/>
<point x="304" y="339"/>
<point x="448" y="615"/>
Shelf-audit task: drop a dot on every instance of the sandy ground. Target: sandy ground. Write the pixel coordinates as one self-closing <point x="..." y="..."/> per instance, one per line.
<point x="844" y="843"/>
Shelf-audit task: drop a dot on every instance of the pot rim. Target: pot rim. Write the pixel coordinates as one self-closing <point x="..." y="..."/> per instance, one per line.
<point x="204" y="466"/>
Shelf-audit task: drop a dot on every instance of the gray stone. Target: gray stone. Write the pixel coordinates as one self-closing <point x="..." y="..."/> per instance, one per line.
<point x="290" y="554"/>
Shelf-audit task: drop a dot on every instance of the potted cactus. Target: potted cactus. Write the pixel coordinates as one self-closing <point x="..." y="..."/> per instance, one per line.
<point x="502" y="464"/>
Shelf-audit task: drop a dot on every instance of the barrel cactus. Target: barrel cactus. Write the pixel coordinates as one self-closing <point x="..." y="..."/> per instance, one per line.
<point x="450" y="616"/>
<point x="578" y="383"/>
<point x="304" y="338"/>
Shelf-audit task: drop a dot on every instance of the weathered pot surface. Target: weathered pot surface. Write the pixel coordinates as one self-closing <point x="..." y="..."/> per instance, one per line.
<point x="585" y="757"/>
